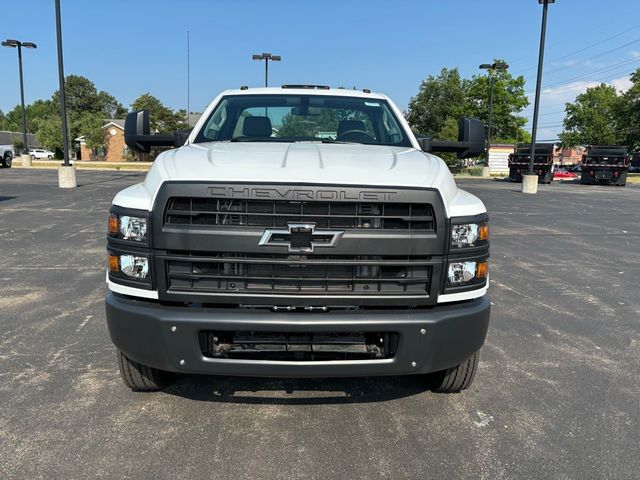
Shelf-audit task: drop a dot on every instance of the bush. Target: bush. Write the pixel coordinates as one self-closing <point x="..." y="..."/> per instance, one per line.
<point x="472" y="171"/>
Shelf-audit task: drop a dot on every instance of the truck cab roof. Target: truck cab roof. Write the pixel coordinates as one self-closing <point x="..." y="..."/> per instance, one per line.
<point x="306" y="90"/>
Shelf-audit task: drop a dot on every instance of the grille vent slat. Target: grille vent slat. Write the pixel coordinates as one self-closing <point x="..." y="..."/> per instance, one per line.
<point x="275" y="273"/>
<point x="277" y="213"/>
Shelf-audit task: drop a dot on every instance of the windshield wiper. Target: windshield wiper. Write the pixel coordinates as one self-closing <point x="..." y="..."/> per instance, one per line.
<point x="254" y="139"/>
<point x="331" y="140"/>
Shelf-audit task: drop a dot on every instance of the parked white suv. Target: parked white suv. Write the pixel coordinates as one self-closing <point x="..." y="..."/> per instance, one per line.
<point x="39" y="153"/>
<point x="296" y="232"/>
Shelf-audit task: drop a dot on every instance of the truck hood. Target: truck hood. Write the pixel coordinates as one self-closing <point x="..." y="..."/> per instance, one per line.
<point x="297" y="162"/>
<point x="282" y="163"/>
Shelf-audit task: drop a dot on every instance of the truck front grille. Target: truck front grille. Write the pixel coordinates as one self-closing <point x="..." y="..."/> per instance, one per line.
<point x="278" y="213"/>
<point x="230" y="273"/>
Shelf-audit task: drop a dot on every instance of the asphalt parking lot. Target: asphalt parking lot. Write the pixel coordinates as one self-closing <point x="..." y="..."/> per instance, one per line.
<point x="557" y="394"/>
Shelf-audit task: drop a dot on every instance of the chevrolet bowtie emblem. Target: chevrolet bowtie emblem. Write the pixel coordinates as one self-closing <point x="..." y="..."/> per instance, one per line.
<point x="300" y="237"/>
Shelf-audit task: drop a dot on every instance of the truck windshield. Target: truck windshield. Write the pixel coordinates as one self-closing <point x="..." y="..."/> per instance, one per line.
<point x="303" y="118"/>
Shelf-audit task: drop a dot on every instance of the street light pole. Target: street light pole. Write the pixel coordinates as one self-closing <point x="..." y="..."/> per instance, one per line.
<point x="18" y="44"/>
<point x="536" y="102"/>
<point x="63" y="109"/>
<point x="492" y="83"/>
<point x="491" y="68"/>
<point x="66" y="172"/>
<point x="266" y="57"/>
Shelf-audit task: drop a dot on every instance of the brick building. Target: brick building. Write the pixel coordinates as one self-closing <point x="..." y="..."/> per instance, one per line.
<point x="569" y="156"/>
<point x="114" y="150"/>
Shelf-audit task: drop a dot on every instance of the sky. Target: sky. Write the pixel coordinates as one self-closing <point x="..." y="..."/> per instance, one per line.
<point x="131" y="47"/>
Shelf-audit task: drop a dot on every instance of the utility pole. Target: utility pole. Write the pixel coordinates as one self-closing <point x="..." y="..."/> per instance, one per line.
<point x="20" y="45"/>
<point x="531" y="188"/>
<point x="492" y="68"/>
<point x="66" y="172"/>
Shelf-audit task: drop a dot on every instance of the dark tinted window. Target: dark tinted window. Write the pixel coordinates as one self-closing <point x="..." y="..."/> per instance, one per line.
<point x="303" y="118"/>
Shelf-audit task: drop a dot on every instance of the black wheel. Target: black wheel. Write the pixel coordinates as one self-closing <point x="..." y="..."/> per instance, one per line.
<point x="584" y="179"/>
<point x="622" y="179"/>
<point x="456" y="379"/>
<point x="140" y="377"/>
<point x="50" y="157"/>
<point x="7" y="161"/>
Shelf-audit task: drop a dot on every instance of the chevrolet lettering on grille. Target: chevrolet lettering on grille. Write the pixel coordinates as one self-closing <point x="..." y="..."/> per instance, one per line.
<point x="300" y="237"/>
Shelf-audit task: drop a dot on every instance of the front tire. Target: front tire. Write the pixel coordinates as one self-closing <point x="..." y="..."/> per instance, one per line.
<point x="7" y="161"/>
<point x="458" y="378"/>
<point x="140" y="377"/>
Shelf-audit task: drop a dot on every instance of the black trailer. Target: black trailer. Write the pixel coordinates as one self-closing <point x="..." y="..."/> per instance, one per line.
<point x="542" y="165"/>
<point x="605" y="164"/>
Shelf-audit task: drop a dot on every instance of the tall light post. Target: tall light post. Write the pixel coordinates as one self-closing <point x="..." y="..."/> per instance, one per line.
<point x="20" y="45"/>
<point x="492" y="68"/>
<point x="266" y="57"/>
<point x="66" y="172"/>
<point x="529" y="186"/>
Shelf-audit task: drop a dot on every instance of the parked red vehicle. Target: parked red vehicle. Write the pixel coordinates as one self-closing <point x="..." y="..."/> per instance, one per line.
<point x="563" y="174"/>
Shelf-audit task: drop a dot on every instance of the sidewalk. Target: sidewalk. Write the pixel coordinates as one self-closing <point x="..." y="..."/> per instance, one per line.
<point x="88" y="165"/>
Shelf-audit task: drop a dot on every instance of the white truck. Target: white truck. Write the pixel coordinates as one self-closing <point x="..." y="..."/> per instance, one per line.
<point x="6" y="156"/>
<point x="295" y="232"/>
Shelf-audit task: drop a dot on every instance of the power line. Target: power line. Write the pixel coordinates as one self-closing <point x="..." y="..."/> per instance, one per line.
<point x="566" y="67"/>
<point x="590" y="74"/>
<point x="604" y="40"/>
<point x="549" y="105"/>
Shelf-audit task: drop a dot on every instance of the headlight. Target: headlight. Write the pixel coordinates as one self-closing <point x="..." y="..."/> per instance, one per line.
<point x="127" y="227"/>
<point x="127" y="266"/>
<point x="465" y="235"/>
<point x="467" y="272"/>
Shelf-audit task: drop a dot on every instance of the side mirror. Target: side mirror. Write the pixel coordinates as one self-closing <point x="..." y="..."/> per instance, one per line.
<point x="471" y="133"/>
<point x="471" y="140"/>
<point x="137" y="134"/>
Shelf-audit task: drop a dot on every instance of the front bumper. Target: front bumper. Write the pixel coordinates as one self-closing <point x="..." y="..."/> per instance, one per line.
<point x="144" y="331"/>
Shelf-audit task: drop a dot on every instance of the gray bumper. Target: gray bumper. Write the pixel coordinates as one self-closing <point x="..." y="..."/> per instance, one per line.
<point x="143" y="331"/>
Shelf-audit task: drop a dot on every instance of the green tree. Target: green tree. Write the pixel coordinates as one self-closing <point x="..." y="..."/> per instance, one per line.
<point x="439" y="98"/>
<point x="628" y="113"/>
<point x="449" y="131"/>
<point x="35" y="111"/>
<point x="326" y="121"/>
<point x="448" y="96"/>
<point x="81" y="95"/>
<point x="509" y="99"/>
<point x="162" y="119"/>
<point x="297" y="126"/>
<point x="592" y="118"/>
<point x="90" y="126"/>
<point x="87" y="109"/>
<point x="50" y="133"/>
<point x="109" y="106"/>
